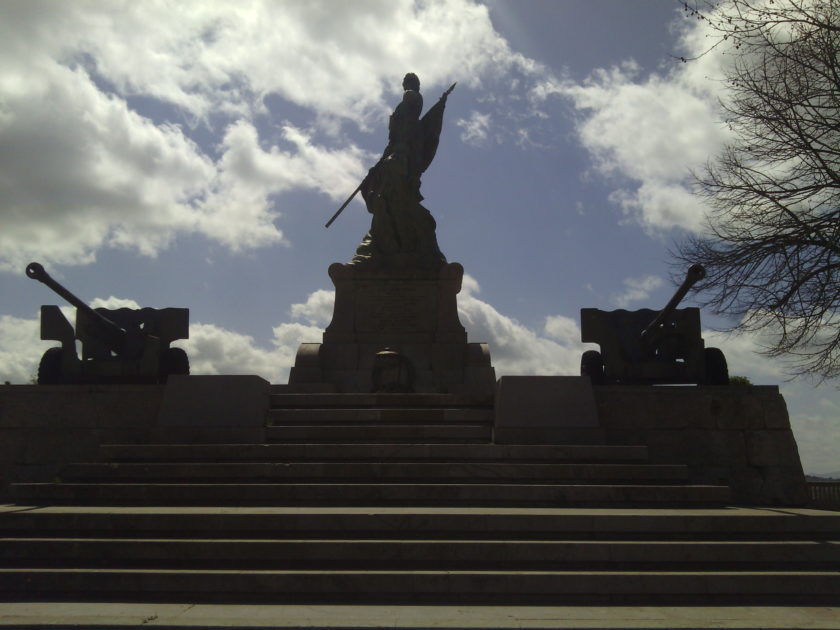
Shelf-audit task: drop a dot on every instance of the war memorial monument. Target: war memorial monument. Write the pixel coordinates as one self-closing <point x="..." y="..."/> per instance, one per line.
<point x="395" y="471"/>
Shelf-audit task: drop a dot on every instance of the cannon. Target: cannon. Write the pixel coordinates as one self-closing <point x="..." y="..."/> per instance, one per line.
<point x="649" y="347"/>
<point x="118" y="345"/>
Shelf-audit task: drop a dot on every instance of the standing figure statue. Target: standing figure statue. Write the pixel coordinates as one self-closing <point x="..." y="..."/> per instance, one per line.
<point x="402" y="231"/>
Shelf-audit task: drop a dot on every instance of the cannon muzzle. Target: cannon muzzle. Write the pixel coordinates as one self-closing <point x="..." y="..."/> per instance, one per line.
<point x="695" y="274"/>
<point x="113" y="336"/>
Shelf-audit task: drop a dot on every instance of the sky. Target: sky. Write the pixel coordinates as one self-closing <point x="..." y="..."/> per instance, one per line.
<point x="188" y="154"/>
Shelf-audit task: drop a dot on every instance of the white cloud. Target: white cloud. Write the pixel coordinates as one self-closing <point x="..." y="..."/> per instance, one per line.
<point x="515" y="348"/>
<point x="636" y="290"/>
<point x="318" y="308"/>
<point x="80" y="169"/>
<point x="215" y="350"/>
<point x="20" y="348"/>
<point x="113" y="303"/>
<point x="475" y="128"/>
<point x="650" y="132"/>
<point x="238" y="210"/>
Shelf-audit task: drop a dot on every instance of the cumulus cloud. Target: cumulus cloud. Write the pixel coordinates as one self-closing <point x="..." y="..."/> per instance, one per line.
<point x="113" y="303"/>
<point x="637" y="290"/>
<point x="648" y="132"/>
<point x="20" y="348"/>
<point x="238" y="209"/>
<point x="318" y="308"/>
<point x="216" y="350"/>
<point x="81" y="169"/>
<point x="515" y="348"/>
<point x="475" y="129"/>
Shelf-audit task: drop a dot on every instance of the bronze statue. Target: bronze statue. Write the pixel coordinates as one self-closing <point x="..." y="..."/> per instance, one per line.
<point x="402" y="232"/>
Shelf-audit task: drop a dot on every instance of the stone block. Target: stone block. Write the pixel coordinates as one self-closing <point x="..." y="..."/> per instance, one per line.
<point x="643" y="407"/>
<point x="543" y="402"/>
<point x="342" y="356"/>
<point x="478" y="354"/>
<point x="413" y="312"/>
<point x="214" y="401"/>
<point x="479" y="375"/>
<point x="670" y="446"/>
<point x="737" y="409"/>
<point x="748" y="487"/>
<point x="771" y="448"/>
<point x="785" y="485"/>
<point x="447" y="356"/>
<point x="303" y="375"/>
<point x="90" y="406"/>
<point x="775" y="412"/>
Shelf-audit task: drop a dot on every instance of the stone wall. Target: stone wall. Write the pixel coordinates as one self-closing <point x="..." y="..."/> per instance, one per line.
<point x="739" y="436"/>
<point x="42" y="427"/>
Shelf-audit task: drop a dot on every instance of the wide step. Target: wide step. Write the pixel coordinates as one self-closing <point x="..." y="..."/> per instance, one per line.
<point x="373" y="433"/>
<point x="466" y="472"/>
<point x="731" y="523"/>
<point x="373" y="452"/>
<point x="422" y="586"/>
<point x="419" y="554"/>
<point x="421" y="416"/>
<point x="549" y="495"/>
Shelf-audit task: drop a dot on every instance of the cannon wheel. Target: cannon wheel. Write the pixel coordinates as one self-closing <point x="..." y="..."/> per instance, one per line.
<point x="49" y="369"/>
<point x="717" y="372"/>
<point x="173" y="361"/>
<point x="592" y="365"/>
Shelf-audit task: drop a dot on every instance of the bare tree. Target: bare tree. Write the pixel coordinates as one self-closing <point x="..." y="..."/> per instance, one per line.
<point x="772" y="244"/>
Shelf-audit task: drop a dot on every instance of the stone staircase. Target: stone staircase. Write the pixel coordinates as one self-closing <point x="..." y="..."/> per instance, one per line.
<point x="398" y="498"/>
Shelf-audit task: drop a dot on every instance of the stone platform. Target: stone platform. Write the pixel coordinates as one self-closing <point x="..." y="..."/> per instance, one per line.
<point x="412" y="313"/>
<point x="398" y="500"/>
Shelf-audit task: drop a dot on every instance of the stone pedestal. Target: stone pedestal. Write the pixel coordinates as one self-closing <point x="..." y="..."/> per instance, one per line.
<point x="546" y="410"/>
<point x="411" y="312"/>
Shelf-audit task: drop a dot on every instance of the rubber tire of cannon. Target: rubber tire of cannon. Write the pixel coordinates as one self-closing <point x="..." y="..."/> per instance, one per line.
<point x="717" y="372"/>
<point x="49" y="369"/>
<point x="173" y="361"/>
<point x="592" y="365"/>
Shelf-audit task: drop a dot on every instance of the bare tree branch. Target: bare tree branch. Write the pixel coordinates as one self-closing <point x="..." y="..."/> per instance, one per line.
<point x="772" y="241"/>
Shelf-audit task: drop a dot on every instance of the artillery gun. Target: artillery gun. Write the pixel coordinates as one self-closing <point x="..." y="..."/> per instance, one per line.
<point x="649" y="347"/>
<point x="118" y="345"/>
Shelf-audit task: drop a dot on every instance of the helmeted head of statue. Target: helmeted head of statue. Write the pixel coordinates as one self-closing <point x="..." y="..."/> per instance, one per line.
<point x="411" y="82"/>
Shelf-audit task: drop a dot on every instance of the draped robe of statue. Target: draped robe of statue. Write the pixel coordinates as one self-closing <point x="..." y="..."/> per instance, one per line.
<point x="402" y="232"/>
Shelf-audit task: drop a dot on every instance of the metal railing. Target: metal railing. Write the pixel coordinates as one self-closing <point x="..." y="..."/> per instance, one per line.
<point x="824" y="494"/>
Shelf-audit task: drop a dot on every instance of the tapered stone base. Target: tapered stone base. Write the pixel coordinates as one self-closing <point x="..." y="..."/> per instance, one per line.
<point x="411" y="314"/>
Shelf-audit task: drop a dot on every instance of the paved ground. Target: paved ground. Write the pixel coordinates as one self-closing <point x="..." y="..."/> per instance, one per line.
<point x="114" y="615"/>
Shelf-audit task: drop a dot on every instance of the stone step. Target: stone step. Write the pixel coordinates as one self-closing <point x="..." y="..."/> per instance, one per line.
<point x="382" y="433"/>
<point x="250" y="616"/>
<point x="496" y="587"/>
<point x="345" y="494"/>
<point x="419" y="554"/>
<point x="349" y="401"/>
<point x="373" y="452"/>
<point x="419" y="416"/>
<point x="730" y="523"/>
<point x="468" y="472"/>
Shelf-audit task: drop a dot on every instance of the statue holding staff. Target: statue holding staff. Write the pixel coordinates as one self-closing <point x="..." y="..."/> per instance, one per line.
<point x="402" y="232"/>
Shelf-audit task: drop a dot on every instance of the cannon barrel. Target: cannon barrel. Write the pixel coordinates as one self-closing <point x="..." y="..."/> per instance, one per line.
<point x="113" y="336"/>
<point x="695" y="273"/>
